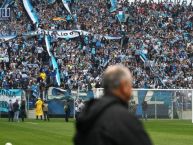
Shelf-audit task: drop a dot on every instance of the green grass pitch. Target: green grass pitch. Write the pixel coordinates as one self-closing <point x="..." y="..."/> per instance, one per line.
<point x="58" y="132"/>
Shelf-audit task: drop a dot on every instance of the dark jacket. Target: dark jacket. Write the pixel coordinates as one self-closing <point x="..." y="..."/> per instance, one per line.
<point x="15" y="107"/>
<point x="107" y="122"/>
<point x="144" y="106"/>
<point x="22" y="108"/>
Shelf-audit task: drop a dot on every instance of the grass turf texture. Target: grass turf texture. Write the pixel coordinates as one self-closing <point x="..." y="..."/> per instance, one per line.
<point x="57" y="132"/>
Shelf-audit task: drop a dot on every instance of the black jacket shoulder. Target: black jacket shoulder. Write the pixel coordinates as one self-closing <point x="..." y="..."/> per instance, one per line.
<point x="108" y="122"/>
<point x="122" y="128"/>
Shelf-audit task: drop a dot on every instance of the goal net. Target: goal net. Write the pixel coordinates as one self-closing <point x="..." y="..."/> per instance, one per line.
<point x="161" y="103"/>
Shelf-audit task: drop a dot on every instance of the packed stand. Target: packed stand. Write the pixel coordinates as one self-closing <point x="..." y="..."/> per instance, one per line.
<point x="156" y="44"/>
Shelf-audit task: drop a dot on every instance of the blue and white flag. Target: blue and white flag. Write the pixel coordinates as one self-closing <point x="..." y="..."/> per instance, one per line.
<point x="55" y="66"/>
<point x="31" y="11"/>
<point x="51" y="1"/>
<point x="9" y="94"/>
<point x="113" y="5"/>
<point x="113" y="37"/>
<point x="48" y="46"/>
<point x="53" y="60"/>
<point x="35" y="91"/>
<point x="121" y="16"/>
<point x="65" y="3"/>
<point x="7" y="38"/>
<point x="6" y="3"/>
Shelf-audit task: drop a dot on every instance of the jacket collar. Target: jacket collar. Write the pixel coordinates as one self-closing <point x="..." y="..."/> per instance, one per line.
<point x="116" y="98"/>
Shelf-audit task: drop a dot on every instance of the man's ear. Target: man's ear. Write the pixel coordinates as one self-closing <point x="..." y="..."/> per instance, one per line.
<point x="122" y="84"/>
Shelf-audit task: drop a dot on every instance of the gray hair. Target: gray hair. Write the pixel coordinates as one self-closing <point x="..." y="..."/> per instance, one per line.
<point x="113" y="76"/>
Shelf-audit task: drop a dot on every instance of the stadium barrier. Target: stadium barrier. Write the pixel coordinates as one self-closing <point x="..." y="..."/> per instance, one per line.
<point x="56" y="98"/>
<point x="162" y="103"/>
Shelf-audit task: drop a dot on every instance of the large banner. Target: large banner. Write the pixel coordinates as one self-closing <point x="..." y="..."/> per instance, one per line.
<point x="67" y="34"/>
<point x="57" y="98"/>
<point x="6" y="95"/>
<point x="186" y="2"/>
<point x="6" y="38"/>
<point x="58" y="93"/>
<point x="5" y="14"/>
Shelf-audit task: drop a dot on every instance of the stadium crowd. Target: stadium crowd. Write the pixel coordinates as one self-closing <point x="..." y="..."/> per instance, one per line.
<point x="156" y="44"/>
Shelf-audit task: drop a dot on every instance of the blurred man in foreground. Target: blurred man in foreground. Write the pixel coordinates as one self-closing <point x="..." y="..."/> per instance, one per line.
<point x="107" y="121"/>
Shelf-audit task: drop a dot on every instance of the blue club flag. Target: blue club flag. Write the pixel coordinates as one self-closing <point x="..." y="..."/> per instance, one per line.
<point x="113" y="5"/>
<point x="53" y="60"/>
<point x="51" y="1"/>
<point x="121" y="16"/>
<point x="65" y="3"/>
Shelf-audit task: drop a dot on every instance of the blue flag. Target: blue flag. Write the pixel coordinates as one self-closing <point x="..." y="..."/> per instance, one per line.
<point x="113" y="5"/>
<point x="51" y="1"/>
<point x="121" y="16"/>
